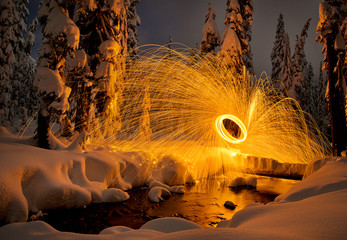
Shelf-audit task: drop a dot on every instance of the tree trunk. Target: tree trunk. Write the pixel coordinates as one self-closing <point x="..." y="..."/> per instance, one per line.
<point x="43" y="128"/>
<point x="83" y="107"/>
<point x="336" y="106"/>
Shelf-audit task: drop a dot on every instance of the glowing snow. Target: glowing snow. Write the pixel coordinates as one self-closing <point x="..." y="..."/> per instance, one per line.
<point x="313" y="209"/>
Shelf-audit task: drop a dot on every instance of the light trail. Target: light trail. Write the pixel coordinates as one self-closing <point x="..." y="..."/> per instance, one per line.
<point x="225" y="134"/>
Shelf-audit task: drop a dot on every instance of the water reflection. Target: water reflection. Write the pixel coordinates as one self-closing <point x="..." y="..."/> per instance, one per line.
<point x="203" y="202"/>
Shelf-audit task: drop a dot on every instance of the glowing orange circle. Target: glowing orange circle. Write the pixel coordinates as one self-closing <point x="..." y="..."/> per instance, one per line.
<point x="223" y="132"/>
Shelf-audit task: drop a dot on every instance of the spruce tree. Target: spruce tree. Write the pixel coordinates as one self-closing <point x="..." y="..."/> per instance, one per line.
<point x="332" y="14"/>
<point x="235" y="50"/>
<point x="133" y="21"/>
<point x="246" y="8"/>
<point x="145" y="131"/>
<point x="24" y="95"/>
<point x="9" y="20"/>
<point x="307" y="87"/>
<point x="103" y="27"/>
<point x="60" y="37"/>
<point x="281" y="59"/>
<point x="231" y="49"/>
<point x="299" y="66"/>
<point x="210" y="36"/>
<point x="319" y="104"/>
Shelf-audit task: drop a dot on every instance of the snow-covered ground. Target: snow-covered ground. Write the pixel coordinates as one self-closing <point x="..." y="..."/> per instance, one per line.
<point x="34" y="179"/>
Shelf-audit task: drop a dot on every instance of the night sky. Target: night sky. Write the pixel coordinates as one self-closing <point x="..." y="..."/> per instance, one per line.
<point x="184" y="19"/>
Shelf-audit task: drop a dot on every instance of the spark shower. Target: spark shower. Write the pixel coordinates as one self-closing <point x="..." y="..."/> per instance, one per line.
<point x="198" y="109"/>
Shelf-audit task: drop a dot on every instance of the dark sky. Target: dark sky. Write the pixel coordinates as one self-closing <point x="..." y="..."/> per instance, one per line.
<point x="184" y="19"/>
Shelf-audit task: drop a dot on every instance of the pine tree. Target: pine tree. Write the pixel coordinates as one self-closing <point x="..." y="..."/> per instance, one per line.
<point x="145" y="131"/>
<point x="210" y="36"/>
<point x="246" y="8"/>
<point x="306" y="89"/>
<point x="103" y="27"/>
<point x="31" y="98"/>
<point x="231" y="49"/>
<point x="133" y="21"/>
<point x="8" y="43"/>
<point x="319" y="104"/>
<point x="235" y="50"/>
<point x="24" y="95"/>
<point x="332" y="14"/>
<point x="299" y="65"/>
<point x="78" y="79"/>
<point x="30" y="37"/>
<point x="281" y="59"/>
<point x="60" y="37"/>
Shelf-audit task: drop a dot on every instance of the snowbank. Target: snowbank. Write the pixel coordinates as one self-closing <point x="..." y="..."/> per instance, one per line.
<point x="34" y="179"/>
<point x="313" y="209"/>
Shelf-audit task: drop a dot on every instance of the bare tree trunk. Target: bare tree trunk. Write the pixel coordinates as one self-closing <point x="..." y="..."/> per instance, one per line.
<point x="43" y="128"/>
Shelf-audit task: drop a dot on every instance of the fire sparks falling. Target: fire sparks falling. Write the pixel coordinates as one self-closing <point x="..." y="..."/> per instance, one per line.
<point x="191" y="96"/>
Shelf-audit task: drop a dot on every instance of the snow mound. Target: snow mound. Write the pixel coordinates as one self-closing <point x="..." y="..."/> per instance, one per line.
<point x="330" y="178"/>
<point x="169" y="225"/>
<point x="171" y="171"/>
<point x="312" y="209"/>
<point x="157" y="194"/>
<point x="34" y="179"/>
<point x="249" y="181"/>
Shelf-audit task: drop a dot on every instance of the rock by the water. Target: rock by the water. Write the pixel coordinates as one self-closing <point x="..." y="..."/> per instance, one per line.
<point x="230" y="205"/>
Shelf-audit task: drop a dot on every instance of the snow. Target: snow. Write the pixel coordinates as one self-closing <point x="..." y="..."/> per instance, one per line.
<point x="210" y="26"/>
<point x="157" y="194"/>
<point x="109" y="49"/>
<point x="79" y="61"/>
<point x="169" y="225"/>
<point x="59" y="23"/>
<point x="49" y="81"/>
<point x="37" y="179"/>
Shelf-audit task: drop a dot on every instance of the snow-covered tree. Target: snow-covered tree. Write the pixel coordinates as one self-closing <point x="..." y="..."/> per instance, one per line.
<point x="299" y="65"/>
<point x="319" y="104"/>
<point x="281" y="58"/>
<point x="8" y="41"/>
<point x="78" y="79"/>
<point x="60" y="37"/>
<point x="30" y="97"/>
<point x="145" y="131"/>
<point x="332" y="14"/>
<point x="133" y="21"/>
<point x="24" y="97"/>
<point x="210" y="35"/>
<point x="103" y="26"/>
<point x="246" y="8"/>
<point x="306" y="89"/>
<point x="230" y="49"/>
<point x="235" y="51"/>
<point x="30" y="36"/>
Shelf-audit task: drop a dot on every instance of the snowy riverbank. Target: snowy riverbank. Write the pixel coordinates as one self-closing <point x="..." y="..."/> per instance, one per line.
<point x="34" y="179"/>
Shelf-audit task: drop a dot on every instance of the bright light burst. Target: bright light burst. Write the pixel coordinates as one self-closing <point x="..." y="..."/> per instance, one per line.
<point x="223" y="130"/>
<point x="191" y="96"/>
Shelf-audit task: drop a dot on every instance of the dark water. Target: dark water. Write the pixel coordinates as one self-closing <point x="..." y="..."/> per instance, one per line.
<point x="202" y="203"/>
